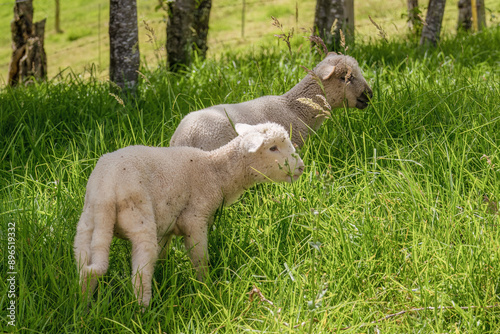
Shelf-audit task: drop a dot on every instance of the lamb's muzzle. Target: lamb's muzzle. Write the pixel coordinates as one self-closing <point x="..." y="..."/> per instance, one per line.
<point x="364" y="99"/>
<point x="299" y="169"/>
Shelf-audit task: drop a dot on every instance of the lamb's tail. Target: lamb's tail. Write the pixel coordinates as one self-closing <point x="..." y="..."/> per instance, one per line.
<point x="92" y="242"/>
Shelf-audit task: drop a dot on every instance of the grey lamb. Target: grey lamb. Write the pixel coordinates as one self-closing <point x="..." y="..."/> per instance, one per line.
<point x="341" y="78"/>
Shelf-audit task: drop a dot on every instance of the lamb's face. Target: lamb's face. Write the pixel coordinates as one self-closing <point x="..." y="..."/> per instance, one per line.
<point x="343" y="82"/>
<point x="271" y="155"/>
<point x="277" y="161"/>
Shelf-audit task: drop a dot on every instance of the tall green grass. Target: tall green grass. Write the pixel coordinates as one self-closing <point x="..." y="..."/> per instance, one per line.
<point x="394" y="212"/>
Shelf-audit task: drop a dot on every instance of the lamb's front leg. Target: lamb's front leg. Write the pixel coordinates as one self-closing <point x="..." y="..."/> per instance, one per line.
<point x="196" y="242"/>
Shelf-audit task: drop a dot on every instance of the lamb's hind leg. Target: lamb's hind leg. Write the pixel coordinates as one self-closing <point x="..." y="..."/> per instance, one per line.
<point x="144" y="255"/>
<point x="97" y="255"/>
<point x="142" y="235"/>
<point x="83" y="239"/>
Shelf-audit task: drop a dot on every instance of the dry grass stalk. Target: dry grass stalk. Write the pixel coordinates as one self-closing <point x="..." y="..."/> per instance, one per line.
<point x="151" y="32"/>
<point x="333" y="28"/>
<point x="277" y="23"/>
<point x="118" y="99"/>
<point x="144" y="77"/>
<point x="319" y="44"/>
<point x="488" y="160"/>
<point x="283" y="36"/>
<point x="348" y="74"/>
<point x="326" y="105"/>
<point x="342" y="41"/>
<point x="325" y="110"/>
<point x="157" y="48"/>
<point x="256" y="291"/>
<point x="381" y="31"/>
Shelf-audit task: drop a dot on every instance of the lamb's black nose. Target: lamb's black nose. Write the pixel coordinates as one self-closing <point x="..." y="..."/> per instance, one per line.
<point x="362" y="101"/>
<point x="369" y="93"/>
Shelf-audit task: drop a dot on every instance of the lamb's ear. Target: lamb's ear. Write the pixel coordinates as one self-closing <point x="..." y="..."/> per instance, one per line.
<point x="325" y="71"/>
<point x="242" y="128"/>
<point x="253" y="141"/>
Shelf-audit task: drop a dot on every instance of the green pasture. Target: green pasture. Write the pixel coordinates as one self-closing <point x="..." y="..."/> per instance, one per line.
<point x="397" y="209"/>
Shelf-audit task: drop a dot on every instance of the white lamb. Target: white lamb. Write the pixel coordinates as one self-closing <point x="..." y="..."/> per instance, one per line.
<point x="148" y="194"/>
<point x="341" y="79"/>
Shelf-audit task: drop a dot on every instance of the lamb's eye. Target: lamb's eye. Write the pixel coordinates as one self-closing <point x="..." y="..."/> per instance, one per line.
<point x="273" y="148"/>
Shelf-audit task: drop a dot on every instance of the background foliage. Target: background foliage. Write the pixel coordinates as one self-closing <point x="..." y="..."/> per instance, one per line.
<point x="84" y="45"/>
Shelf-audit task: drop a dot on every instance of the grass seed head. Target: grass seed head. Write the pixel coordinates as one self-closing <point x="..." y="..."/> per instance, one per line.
<point x="324" y="110"/>
<point x="333" y="28"/>
<point x="381" y="31"/>
<point x="285" y="36"/>
<point x="118" y="99"/>
<point x="318" y="42"/>
<point x="342" y="41"/>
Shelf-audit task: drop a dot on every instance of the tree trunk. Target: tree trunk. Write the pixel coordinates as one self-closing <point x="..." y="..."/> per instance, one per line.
<point x="57" y="18"/>
<point x="348" y="26"/>
<point x="478" y="14"/>
<point x="412" y="14"/>
<point x="201" y="18"/>
<point x="180" y="34"/>
<point x="328" y="20"/>
<point x="123" y="43"/>
<point x="432" y="28"/>
<point x="34" y="62"/>
<point x="464" y="15"/>
<point x="28" y="56"/>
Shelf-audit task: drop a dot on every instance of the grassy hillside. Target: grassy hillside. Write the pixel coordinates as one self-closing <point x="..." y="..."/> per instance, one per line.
<point x="397" y="209"/>
<point x="84" y="46"/>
